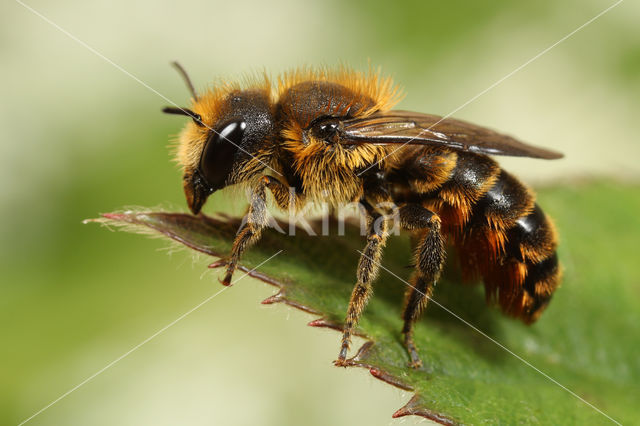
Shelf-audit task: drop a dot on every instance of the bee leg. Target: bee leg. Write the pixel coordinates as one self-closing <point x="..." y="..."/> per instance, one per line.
<point x="285" y="197"/>
<point x="256" y="219"/>
<point x="429" y="258"/>
<point x="416" y="299"/>
<point x="367" y="271"/>
<point x="250" y="230"/>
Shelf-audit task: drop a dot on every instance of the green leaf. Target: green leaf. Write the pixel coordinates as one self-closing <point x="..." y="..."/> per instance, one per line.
<point x="578" y="364"/>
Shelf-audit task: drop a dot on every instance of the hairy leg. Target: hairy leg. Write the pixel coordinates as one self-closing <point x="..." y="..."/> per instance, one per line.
<point x="367" y="271"/>
<point x="257" y="219"/>
<point x="429" y="258"/>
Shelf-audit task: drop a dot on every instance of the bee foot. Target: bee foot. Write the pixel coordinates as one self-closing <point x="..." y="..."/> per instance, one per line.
<point x="342" y="357"/>
<point x="415" y="363"/>
<point x="226" y="281"/>
<point x="218" y="264"/>
<point x="340" y="362"/>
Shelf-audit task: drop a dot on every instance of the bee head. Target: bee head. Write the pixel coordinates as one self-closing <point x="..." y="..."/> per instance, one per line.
<point x="226" y="142"/>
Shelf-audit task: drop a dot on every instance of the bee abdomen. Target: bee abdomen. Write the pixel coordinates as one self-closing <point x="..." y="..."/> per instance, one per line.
<point x="542" y="280"/>
<point x="498" y="210"/>
<point x="503" y="204"/>
<point x="532" y="241"/>
<point x="532" y="238"/>
<point x="511" y="244"/>
<point x="466" y="184"/>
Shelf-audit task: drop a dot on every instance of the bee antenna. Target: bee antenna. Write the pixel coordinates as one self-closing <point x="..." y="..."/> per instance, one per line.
<point x="184" y="111"/>
<point x="186" y="78"/>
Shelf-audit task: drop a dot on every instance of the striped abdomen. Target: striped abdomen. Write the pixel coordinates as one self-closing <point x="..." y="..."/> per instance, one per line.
<point x="499" y="231"/>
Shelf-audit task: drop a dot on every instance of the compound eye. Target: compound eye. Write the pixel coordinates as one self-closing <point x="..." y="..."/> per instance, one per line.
<point x="219" y="152"/>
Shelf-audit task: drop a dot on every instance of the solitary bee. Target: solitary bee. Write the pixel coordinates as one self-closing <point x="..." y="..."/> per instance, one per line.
<point x="332" y="135"/>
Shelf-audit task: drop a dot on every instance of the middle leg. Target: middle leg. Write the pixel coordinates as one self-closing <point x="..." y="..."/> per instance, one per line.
<point x="368" y="267"/>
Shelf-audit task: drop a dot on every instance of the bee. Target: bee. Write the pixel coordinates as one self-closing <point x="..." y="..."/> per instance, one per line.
<point x="334" y="135"/>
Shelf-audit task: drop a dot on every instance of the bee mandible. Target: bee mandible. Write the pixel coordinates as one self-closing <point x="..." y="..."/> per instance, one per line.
<point x="332" y="135"/>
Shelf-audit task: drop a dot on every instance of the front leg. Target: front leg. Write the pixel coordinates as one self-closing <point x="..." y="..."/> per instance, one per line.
<point x="257" y="219"/>
<point x="367" y="271"/>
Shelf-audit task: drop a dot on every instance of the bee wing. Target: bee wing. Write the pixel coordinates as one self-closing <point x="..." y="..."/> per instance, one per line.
<point x="406" y="127"/>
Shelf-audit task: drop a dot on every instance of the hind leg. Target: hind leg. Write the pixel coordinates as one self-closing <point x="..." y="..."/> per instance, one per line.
<point x="429" y="258"/>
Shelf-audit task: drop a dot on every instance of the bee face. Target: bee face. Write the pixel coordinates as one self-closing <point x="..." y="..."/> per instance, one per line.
<point x="225" y="143"/>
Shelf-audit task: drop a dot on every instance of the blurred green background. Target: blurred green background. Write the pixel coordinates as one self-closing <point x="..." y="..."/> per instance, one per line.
<point x="80" y="137"/>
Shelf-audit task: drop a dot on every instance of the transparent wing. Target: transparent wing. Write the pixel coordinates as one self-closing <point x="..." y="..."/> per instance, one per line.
<point x="406" y="127"/>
